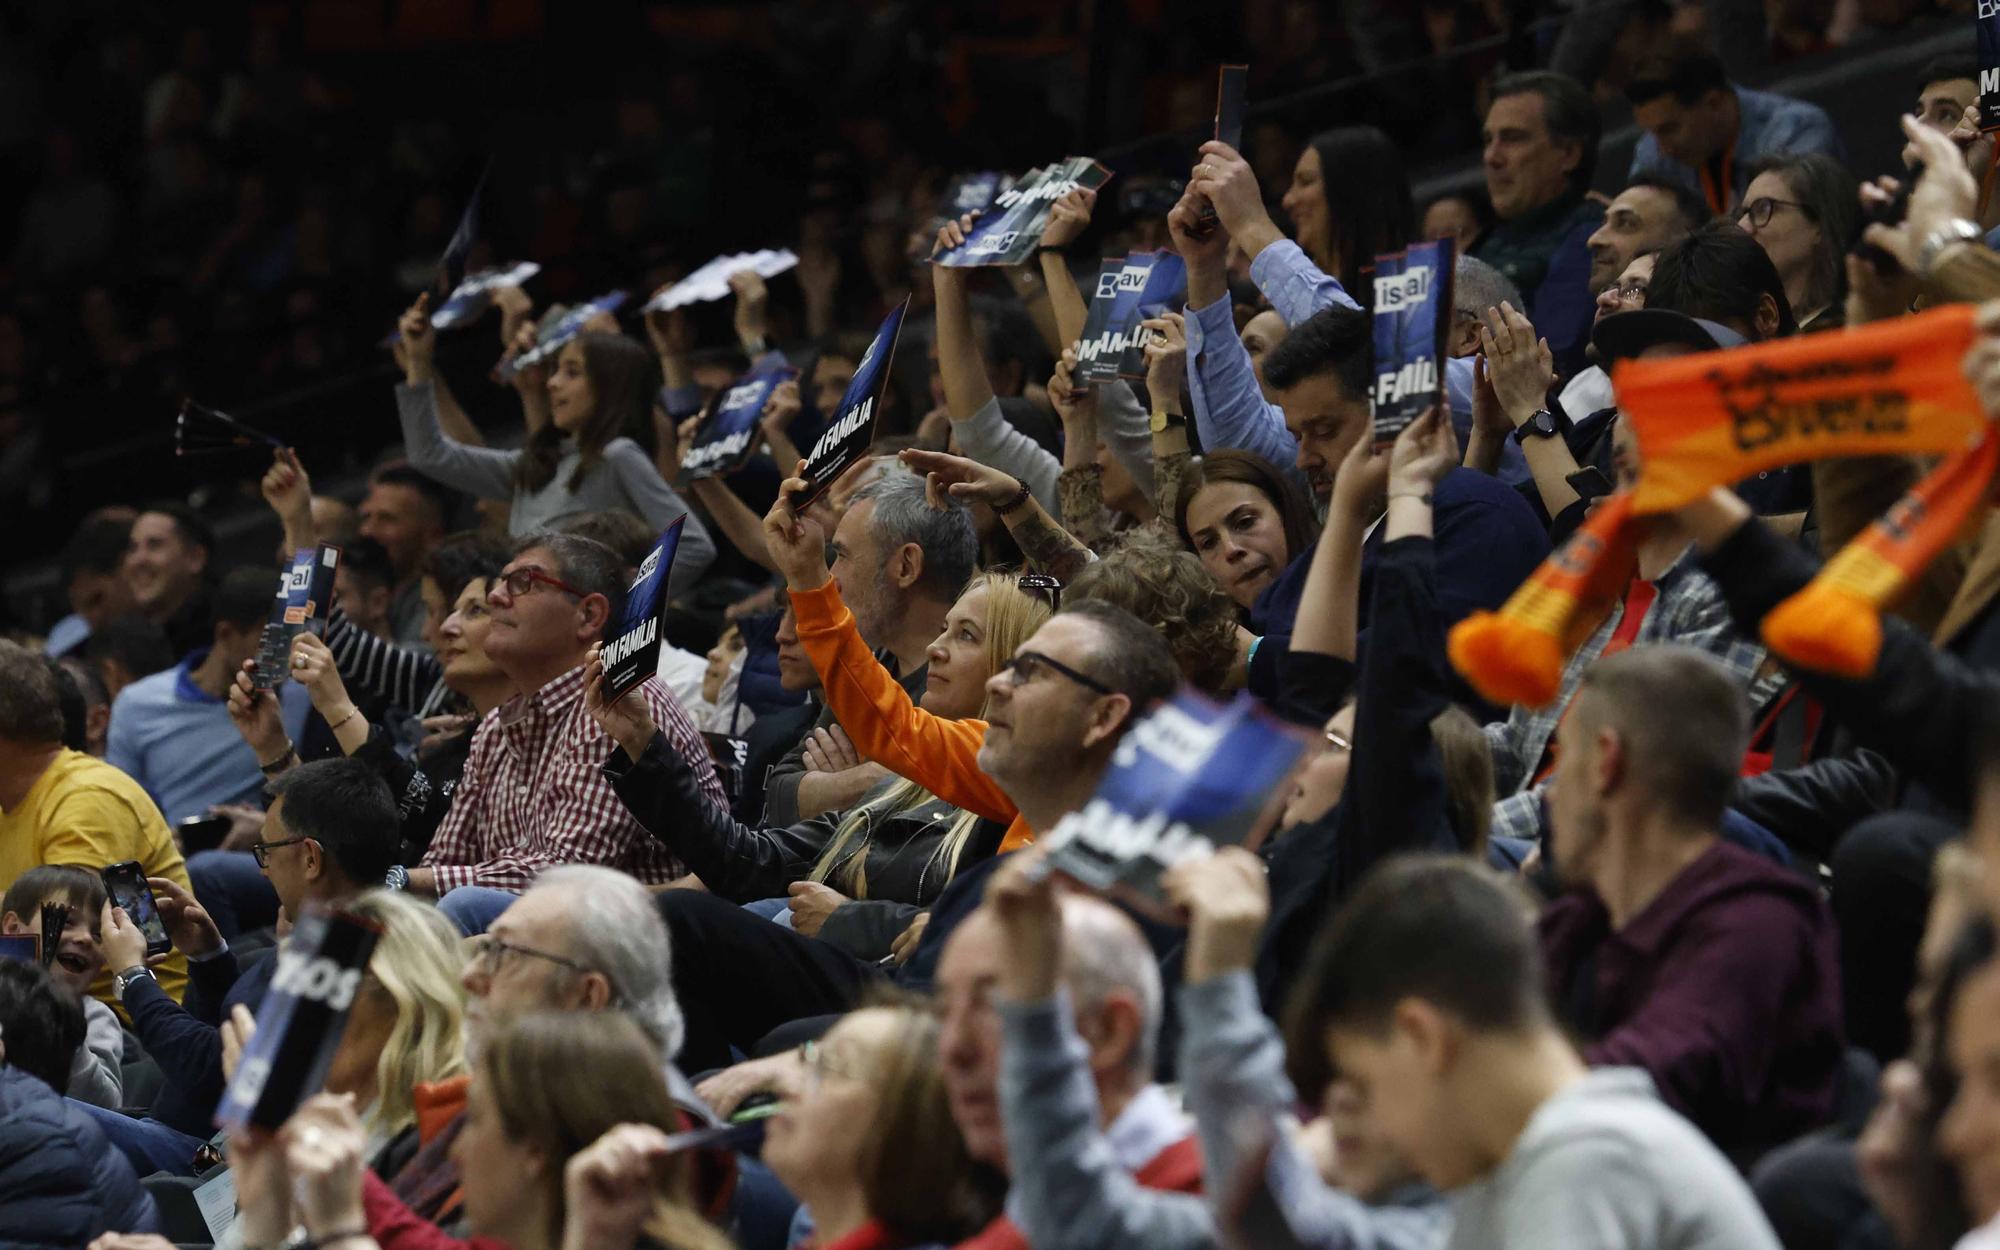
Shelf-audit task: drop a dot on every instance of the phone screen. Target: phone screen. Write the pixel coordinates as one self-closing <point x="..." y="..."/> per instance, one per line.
<point x="23" y="948"/>
<point x="126" y="884"/>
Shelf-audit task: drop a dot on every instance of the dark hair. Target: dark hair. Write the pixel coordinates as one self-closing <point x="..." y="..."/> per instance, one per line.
<point x="367" y="561"/>
<point x="624" y="377"/>
<point x="1569" y="113"/>
<point x="98" y="546"/>
<point x="40" y="1025"/>
<point x="188" y="523"/>
<point x="75" y="713"/>
<point x="344" y="805"/>
<point x="1947" y="67"/>
<point x="1337" y="340"/>
<point x="1465" y="758"/>
<point x="1367" y="193"/>
<point x="1007" y="336"/>
<point x="89" y="682"/>
<point x="1438" y="928"/>
<point x="434" y="492"/>
<point x="1472" y="195"/>
<point x="1831" y="195"/>
<point x="1686" y="73"/>
<point x="1252" y="470"/>
<point x="137" y="642"/>
<point x="584" y="563"/>
<point x="243" y="597"/>
<point x="1130" y="657"/>
<point x="81" y="888"/>
<point x="1718" y="273"/>
<point x="1692" y="210"/>
<point x="462" y="558"/>
<point x="1683" y="720"/>
<point x="617" y="529"/>
<point x="30" y="700"/>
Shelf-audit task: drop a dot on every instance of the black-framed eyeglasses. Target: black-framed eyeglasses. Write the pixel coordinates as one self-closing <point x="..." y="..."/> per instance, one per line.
<point x="489" y="953"/>
<point x="521" y="581"/>
<point x="1043" y="587"/>
<point x="1025" y="664"/>
<point x="261" y="851"/>
<point x="1758" y="211"/>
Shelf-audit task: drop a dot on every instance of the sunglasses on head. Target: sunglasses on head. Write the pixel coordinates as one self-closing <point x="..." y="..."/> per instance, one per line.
<point x="1043" y="587"/>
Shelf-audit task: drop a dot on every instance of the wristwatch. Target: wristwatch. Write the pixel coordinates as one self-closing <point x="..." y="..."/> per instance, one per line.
<point x="1163" y="420"/>
<point x="124" y="980"/>
<point x="1950" y="234"/>
<point x="397" y="878"/>
<point x="1541" y="425"/>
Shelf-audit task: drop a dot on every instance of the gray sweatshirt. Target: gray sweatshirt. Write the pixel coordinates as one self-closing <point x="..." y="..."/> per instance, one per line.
<point x="625" y="478"/>
<point x="96" y="1073"/>
<point x="988" y="437"/>
<point x="1603" y="1164"/>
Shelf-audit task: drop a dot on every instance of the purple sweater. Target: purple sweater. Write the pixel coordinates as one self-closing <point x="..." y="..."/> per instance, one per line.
<point x="1726" y="988"/>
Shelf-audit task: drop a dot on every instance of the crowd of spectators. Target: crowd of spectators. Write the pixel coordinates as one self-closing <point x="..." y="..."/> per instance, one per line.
<point x="1696" y="953"/>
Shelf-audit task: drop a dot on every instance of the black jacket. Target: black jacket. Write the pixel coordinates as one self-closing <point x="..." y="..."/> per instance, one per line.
<point x="61" y="1183"/>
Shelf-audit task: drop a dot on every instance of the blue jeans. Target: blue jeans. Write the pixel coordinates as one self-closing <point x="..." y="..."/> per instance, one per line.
<point x="233" y="890"/>
<point x="148" y="1145"/>
<point x="778" y="910"/>
<point x="474" y="908"/>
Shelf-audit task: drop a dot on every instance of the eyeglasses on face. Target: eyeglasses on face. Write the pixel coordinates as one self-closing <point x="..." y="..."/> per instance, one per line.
<point x="1043" y="587"/>
<point x="1632" y="292"/>
<point x="489" y="953"/>
<point x="1758" y="212"/>
<point x="1022" y="669"/>
<point x="261" y="851"/>
<point x="522" y="581"/>
<point x="819" y="1066"/>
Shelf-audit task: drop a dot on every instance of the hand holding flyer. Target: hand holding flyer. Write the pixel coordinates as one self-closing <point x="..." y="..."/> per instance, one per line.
<point x="851" y="432"/>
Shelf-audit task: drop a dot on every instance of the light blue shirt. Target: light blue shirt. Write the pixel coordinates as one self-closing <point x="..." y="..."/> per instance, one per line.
<point x="177" y="741"/>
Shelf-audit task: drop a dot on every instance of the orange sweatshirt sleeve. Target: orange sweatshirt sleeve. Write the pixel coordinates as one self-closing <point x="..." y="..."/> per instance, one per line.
<point x="940" y="755"/>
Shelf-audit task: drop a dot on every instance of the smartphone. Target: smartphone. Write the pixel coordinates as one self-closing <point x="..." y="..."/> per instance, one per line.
<point x="126" y="884"/>
<point x="1890" y="214"/>
<point x="1589" y="483"/>
<point x="202" y="833"/>
<point x="21" y="948"/>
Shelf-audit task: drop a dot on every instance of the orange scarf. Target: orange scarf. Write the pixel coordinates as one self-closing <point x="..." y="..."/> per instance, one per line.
<point x="1707" y="420"/>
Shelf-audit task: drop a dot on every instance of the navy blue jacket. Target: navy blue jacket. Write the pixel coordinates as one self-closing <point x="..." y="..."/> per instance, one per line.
<point x="187" y="1042"/>
<point x="1487" y="541"/>
<point x="61" y="1183"/>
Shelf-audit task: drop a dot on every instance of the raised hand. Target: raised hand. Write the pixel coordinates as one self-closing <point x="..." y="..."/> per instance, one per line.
<point x="254" y="712"/>
<point x="753" y="300"/>
<point x="628" y="721"/>
<point x="1520" y="366"/>
<point x="313" y="667"/>
<point x="189" y="926"/>
<point x="1069" y="217"/>
<point x="611" y="1186"/>
<point x="1166" y="355"/>
<point x="289" y="492"/>
<point x="669" y="331"/>
<point x="1023" y="901"/>
<point x="961" y="478"/>
<point x="1206" y="254"/>
<point x="325" y="1151"/>
<point x="1228" y="901"/>
<point x="1360" y="482"/>
<point x="1228" y="183"/>
<point x="1073" y="401"/>
<point x="1425" y="451"/>
<point x="1945" y="191"/>
<point x="952" y="234"/>
<point x="516" y="310"/>
<point x="419" y="341"/>
<point x="797" y="544"/>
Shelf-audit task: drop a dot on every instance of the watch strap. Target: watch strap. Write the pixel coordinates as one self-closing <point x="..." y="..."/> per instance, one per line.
<point x="1541" y="425"/>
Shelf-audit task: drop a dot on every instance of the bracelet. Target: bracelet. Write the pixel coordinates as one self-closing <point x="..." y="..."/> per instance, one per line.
<point x="352" y="712"/>
<point x="1422" y="495"/>
<point x="288" y="753"/>
<point x="1044" y="249"/>
<point x="1020" y="497"/>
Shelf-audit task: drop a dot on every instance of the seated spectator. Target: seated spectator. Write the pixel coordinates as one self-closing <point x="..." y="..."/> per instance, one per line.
<point x="59" y="806"/>
<point x="1946" y="86"/>
<point x="681" y="671"/>
<point x="1650" y="213"/>
<point x="1475" y="287"/>
<point x="125" y="649"/>
<point x="1170" y="590"/>
<point x="1806" y="212"/>
<point x="856" y="878"/>
<point x="1540" y="141"/>
<point x="92" y="581"/>
<point x="1244" y="519"/>
<point x="1707" y="965"/>
<point x="63" y="1184"/>
<point x="564" y="1144"/>
<point x="549" y="606"/>
<point x="1487" y="538"/>
<point x="1460" y="215"/>
<point x="168" y="568"/>
<point x="365" y="587"/>
<point x="1590" y="390"/>
<point x="330" y="834"/>
<point x="171" y="732"/>
<point x="86" y="705"/>
<point x="96" y="1075"/>
<point x="1426" y="997"/>
<point x="601" y="384"/>
<point x="867" y="1143"/>
<point x="1708" y="134"/>
<point x="408" y="514"/>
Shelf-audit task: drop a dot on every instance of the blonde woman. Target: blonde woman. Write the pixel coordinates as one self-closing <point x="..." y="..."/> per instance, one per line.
<point x="564" y="1147"/>
<point x="856" y="878"/>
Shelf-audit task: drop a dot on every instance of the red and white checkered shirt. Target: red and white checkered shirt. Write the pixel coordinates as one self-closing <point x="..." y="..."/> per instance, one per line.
<point x="534" y="793"/>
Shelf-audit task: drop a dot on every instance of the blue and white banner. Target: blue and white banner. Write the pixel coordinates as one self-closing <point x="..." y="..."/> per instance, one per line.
<point x="305" y="592"/>
<point x="971" y="193"/>
<point x="848" y="436"/>
<point x="1988" y="38"/>
<point x="632" y="646"/>
<point x="1009" y="233"/>
<point x="472" y="297"/>
<point x="728" y="436"/>
<point x="1411" y="325"/>
<point x="1166" y="288"/>
<point x="565" y="332"/>
<point x="711" y="281"/>
<point x="1191" y="777"/>
<point x="1112" y="339"/>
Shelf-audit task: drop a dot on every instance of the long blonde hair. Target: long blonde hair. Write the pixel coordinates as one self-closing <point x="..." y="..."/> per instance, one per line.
<point x="558" y="1088"/>
<point x="1012" y="617"/>
<point x="416" y="964"/>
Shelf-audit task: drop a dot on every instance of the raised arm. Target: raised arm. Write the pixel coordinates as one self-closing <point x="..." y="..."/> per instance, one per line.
<point x="1069" y="217"/>
<point x="1522" y="368"/>
<point x="1047" y="545"/>
<point x="660" y="504"/>
<point x="481" y="471"/>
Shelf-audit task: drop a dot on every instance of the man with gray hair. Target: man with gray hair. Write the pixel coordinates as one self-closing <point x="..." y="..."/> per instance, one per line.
<point x="533" y="793"/>
<point x="901" y="564"/>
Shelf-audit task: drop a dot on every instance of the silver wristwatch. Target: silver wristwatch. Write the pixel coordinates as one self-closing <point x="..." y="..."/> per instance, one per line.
<point x="397" y="878"/>
<point x="130" y="976"/>
<point x="1950" y="234"/>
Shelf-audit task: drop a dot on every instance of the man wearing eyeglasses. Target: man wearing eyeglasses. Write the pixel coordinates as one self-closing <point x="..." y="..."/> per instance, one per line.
<point x="532" y="794"/>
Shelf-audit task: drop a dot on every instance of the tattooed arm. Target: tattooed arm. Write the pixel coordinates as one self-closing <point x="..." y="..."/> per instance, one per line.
<point x="1047" y="545"/>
